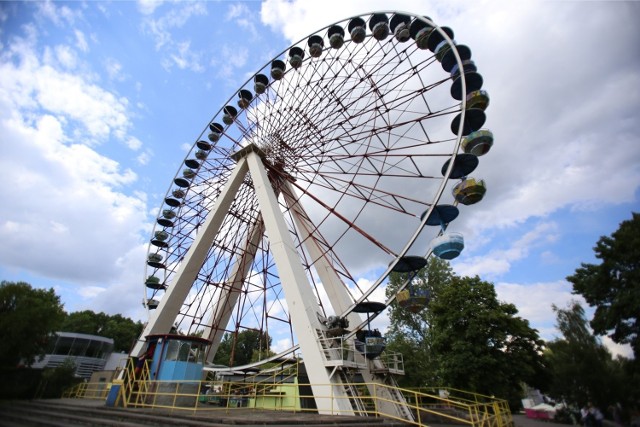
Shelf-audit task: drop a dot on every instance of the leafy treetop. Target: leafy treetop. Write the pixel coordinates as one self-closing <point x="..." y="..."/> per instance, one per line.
<point x="613" y="286"/>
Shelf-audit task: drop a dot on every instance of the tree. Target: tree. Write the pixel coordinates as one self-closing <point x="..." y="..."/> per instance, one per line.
<point x="613" y="286"/>
<point x="581" y="368"/>
<point x="56" y="380"/>
<point x="410" y="333"/>
<point x="242" y="348"/>
<point x="480" y="344"/>
<point x="122" y="330"/>
<point x="466" y="338"/>
<point x="28" y="318"/>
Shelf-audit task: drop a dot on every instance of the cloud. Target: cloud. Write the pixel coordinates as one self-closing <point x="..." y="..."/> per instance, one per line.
<point x="616" y="350"/>
<point x="229" y="61"/>
<point x="91" y="291"/>
<point x="148" y="7"/>
<point x="70" y="218"/>
<point x="144" y="157"/>
<point x="81" y="41"/>
<point x="243" y="17"/>
<point x="35" y="86"/>
<point x="183" y="58"/>
<point x="114" y="69"/>
<point x="498" y="262"/>
<point x="59" y="15"/>
<point x="55" y="190"/>
<point x="534" y="300"/>
<point x="176" y="53"/>
<point x="133" y="143"/>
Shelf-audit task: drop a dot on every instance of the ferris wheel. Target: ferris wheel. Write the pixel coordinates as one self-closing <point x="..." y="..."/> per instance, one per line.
<point x="335" y="164"/>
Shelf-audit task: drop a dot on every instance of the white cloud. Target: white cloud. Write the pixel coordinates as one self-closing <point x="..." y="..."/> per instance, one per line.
<point x="81" y="41"/>
<point x="60" y="193"/>
<point x="144" y="157"/>
<point x="534" y="300"/>
<point x="183" y="58"/>
<point x="70" y="218"/>
<point x="66" y="56"/>
<point x="90" y="291"/>
<point x="230" y="59"/>
<point x="498" y="261"/>
<point x="59" y="15"/>
<point x="623" y="350"/>
<point x="147" y="7"/>
<point x="243" y="17"/>
<point x="177" y="53"/>
<point x="133" y="143"/>
<point x="175" y="18"/>
<point x="29" y="84"/>
<point x="114" y="69"/>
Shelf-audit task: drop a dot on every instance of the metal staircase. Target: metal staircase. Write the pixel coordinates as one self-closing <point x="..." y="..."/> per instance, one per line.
<point x="345" y="361"/>
<point x="357" y="403"/>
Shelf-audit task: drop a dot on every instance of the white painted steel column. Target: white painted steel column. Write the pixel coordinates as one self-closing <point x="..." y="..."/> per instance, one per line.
<point x="341" y="300"/>
<point x="302" y="303"/>
<point x="163" y="317"/>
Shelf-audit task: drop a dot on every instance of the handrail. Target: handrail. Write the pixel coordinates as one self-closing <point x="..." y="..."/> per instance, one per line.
<point x="288" y="395"/>
<point x="281" y="391"/>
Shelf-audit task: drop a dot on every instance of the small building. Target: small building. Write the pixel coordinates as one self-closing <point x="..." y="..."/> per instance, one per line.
<point x="89" y="353"/>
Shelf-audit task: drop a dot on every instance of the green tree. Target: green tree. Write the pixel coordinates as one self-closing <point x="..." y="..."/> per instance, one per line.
<point x="581" y="368"/>
<point x="242" y="348"/>
<point x="122" y="330"/>
<point x="613" y="286"/>
<point x="28" y="318"/>
<point x="411" y="333"/>
<point x="480" y="343"/>
<point x="466" y="338"/>
<point x="56" y="380"/>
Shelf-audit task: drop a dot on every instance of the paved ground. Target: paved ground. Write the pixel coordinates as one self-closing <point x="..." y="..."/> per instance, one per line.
<point x="523" y="421"/>
<point x="253" y="416"/>
<point x="249" y="416"/>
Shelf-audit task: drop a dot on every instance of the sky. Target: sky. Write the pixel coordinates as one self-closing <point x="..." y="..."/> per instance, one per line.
<point x="100" y="102"/>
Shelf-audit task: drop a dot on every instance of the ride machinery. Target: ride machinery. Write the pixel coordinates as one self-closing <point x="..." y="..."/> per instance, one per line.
<point x="305" y="191"/>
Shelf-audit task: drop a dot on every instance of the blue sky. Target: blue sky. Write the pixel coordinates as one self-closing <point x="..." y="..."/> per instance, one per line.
<point x="100" y="102"/>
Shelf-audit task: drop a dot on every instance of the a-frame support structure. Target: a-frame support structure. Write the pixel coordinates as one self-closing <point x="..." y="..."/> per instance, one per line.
<point x="332" y="395"/>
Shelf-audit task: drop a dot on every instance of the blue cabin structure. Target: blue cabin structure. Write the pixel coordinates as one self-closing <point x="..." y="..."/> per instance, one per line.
<point x="176" y="357"/>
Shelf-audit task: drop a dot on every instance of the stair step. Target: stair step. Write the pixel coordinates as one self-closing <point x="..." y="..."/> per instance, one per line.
<point x="46" y="417"/>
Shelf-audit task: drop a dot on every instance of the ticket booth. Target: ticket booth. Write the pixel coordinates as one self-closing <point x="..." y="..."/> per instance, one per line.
<point x="176" y="357"/>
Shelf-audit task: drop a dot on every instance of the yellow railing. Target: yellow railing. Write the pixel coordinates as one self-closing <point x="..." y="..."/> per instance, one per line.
<point x="135" y="382"/>
<point x="281" y="391"/>
<point x="472" y="410"/>
<point x="98" y="391"/>
<point x="466" y="407"/>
